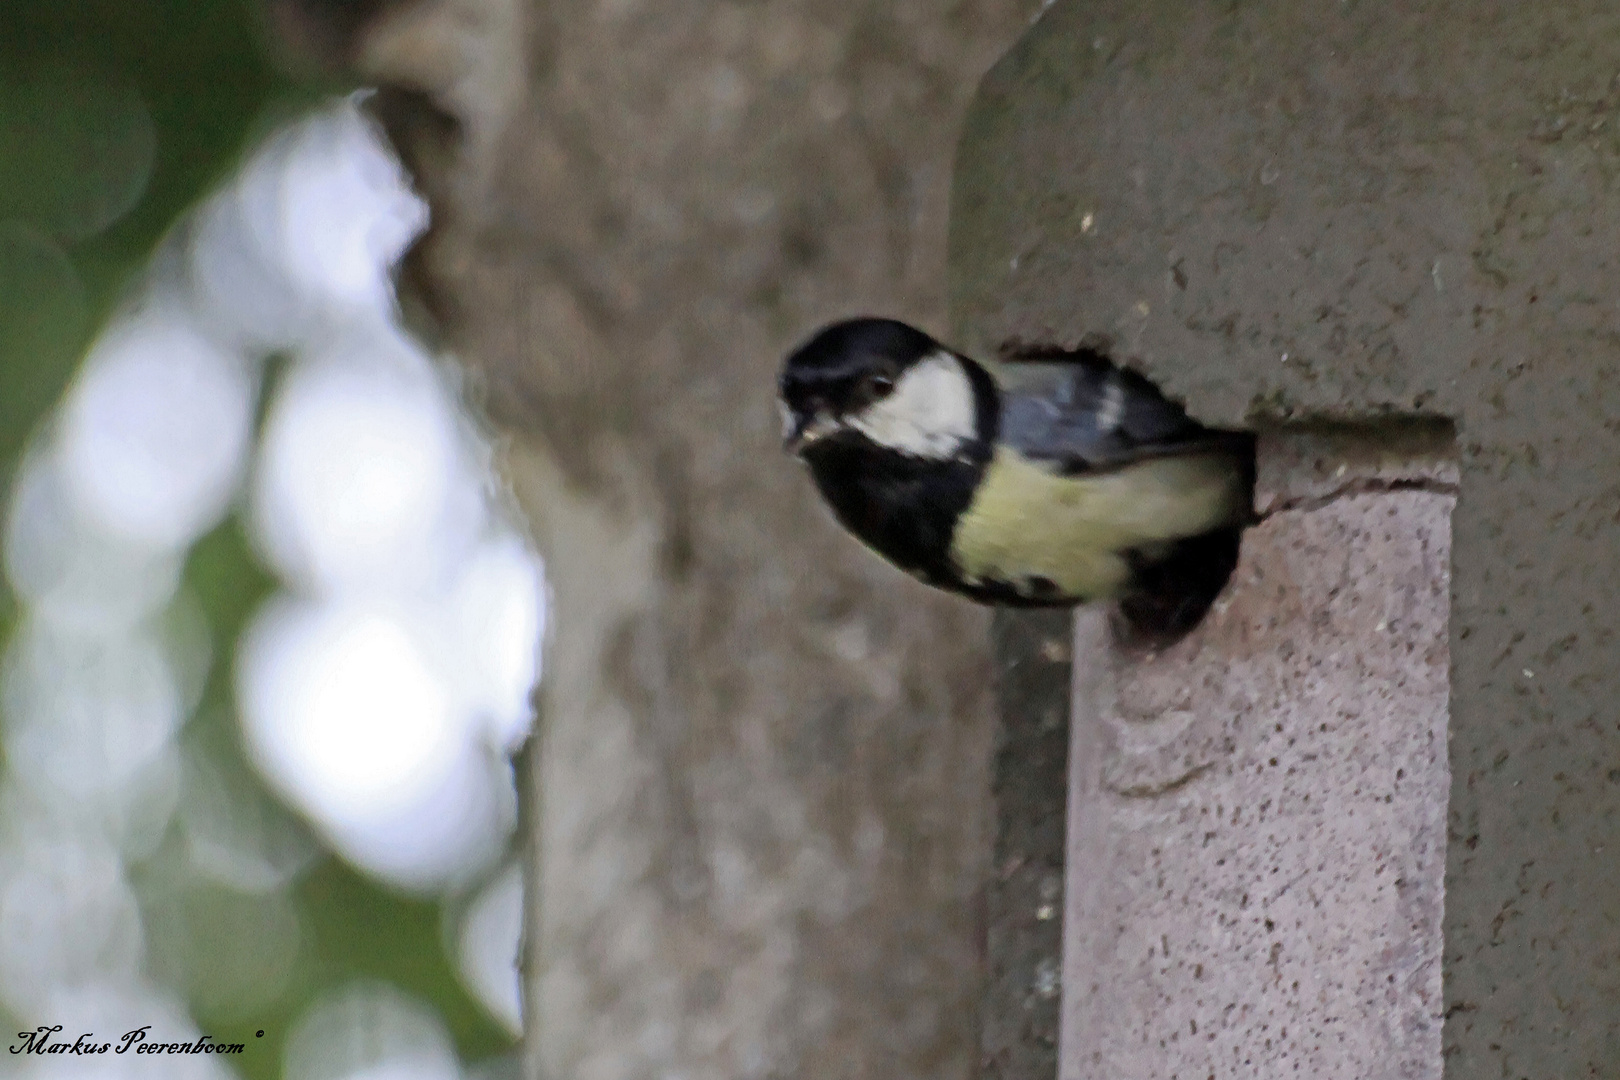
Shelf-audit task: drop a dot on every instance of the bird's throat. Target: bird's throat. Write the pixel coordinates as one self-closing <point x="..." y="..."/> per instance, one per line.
<point x="903" y="507"/>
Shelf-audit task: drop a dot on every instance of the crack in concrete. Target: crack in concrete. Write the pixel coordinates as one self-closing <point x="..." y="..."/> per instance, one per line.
<point x="1366" y="485"/>
<point x="1151" y="789"/>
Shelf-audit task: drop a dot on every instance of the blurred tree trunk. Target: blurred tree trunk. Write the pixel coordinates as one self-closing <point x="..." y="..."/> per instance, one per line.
<point x="762" y="771"/>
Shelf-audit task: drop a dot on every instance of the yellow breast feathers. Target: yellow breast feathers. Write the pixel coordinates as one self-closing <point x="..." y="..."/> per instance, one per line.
<point x="1026" y="521"/>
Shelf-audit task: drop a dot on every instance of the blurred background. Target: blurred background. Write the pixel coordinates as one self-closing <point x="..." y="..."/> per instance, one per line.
<point x="269" y="627"/>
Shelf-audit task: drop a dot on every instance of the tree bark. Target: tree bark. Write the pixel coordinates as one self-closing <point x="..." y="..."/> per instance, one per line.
<point x="761" y="778"/>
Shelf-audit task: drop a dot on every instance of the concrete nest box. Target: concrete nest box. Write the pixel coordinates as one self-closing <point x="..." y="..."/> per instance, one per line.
<point x="1366" y="820"/>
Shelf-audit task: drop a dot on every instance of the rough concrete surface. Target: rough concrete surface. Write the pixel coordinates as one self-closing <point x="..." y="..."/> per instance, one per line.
<point x="1257" y="814"/>
<point x="1352" y="210"/>
<point x="1029" y="781"/>
<point x="761" y="787"/>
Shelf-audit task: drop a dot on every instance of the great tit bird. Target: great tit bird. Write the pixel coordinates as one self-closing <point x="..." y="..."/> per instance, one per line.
<point x="1060" y="480"/>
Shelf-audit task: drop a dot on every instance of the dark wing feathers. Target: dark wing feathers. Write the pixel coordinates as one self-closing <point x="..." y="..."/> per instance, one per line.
<point x="1085" y="414"/>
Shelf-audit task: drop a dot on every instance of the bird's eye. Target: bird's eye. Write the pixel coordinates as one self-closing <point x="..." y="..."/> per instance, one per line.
<point x="879" y="385"/>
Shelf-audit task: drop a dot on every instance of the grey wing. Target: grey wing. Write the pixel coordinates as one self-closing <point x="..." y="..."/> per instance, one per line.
<point x="1085" y="415"/>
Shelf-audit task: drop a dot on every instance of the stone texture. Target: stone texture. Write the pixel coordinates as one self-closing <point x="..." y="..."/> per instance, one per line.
<point x="1353" y="211"/>
<point x="1024" y="898"/>
<point x="1257" y="814"/>
<point x="1316" y="464"/>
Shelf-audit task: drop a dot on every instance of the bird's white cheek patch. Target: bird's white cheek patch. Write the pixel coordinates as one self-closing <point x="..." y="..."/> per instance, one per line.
<point x="931" y="412"/>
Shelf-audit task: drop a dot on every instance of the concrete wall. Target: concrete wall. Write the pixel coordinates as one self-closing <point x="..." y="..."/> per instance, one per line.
<point x="1020" y="1015"/>
<point x="1257" y="814"/>
<point x="1285" y="210"/>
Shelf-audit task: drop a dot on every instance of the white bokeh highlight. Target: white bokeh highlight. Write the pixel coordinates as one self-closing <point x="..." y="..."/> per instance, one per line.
<point x="378" y="693"/>
<point x="306" y="236"/>
<point x="68" y="568"/>
<point x="496" y="614"/>
<point x="487" y="945"/>
<point x="156" y="429"/>
<point x="234" y="835"/>
<point x="370" y="1031"/>
<point x="352" y="211"/>
<point x="349" y="713"/>
<point x="88" y="713"/>
<point x="364" y="480"/>
<point x="68" y="919"/>
<point x="344" y="710"/>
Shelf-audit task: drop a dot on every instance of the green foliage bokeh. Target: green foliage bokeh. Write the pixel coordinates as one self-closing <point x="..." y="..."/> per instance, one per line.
<point x="116" y="116"/>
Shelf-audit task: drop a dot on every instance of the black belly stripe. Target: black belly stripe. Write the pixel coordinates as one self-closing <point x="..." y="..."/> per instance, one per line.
<point x="902" y="506"/>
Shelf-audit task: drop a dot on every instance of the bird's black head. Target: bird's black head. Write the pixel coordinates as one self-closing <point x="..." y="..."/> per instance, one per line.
<point x="881" y="382"/>
<point x="896" y="430"/>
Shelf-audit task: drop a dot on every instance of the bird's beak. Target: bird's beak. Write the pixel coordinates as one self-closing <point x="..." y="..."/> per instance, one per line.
<point x="799" y="433"/>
